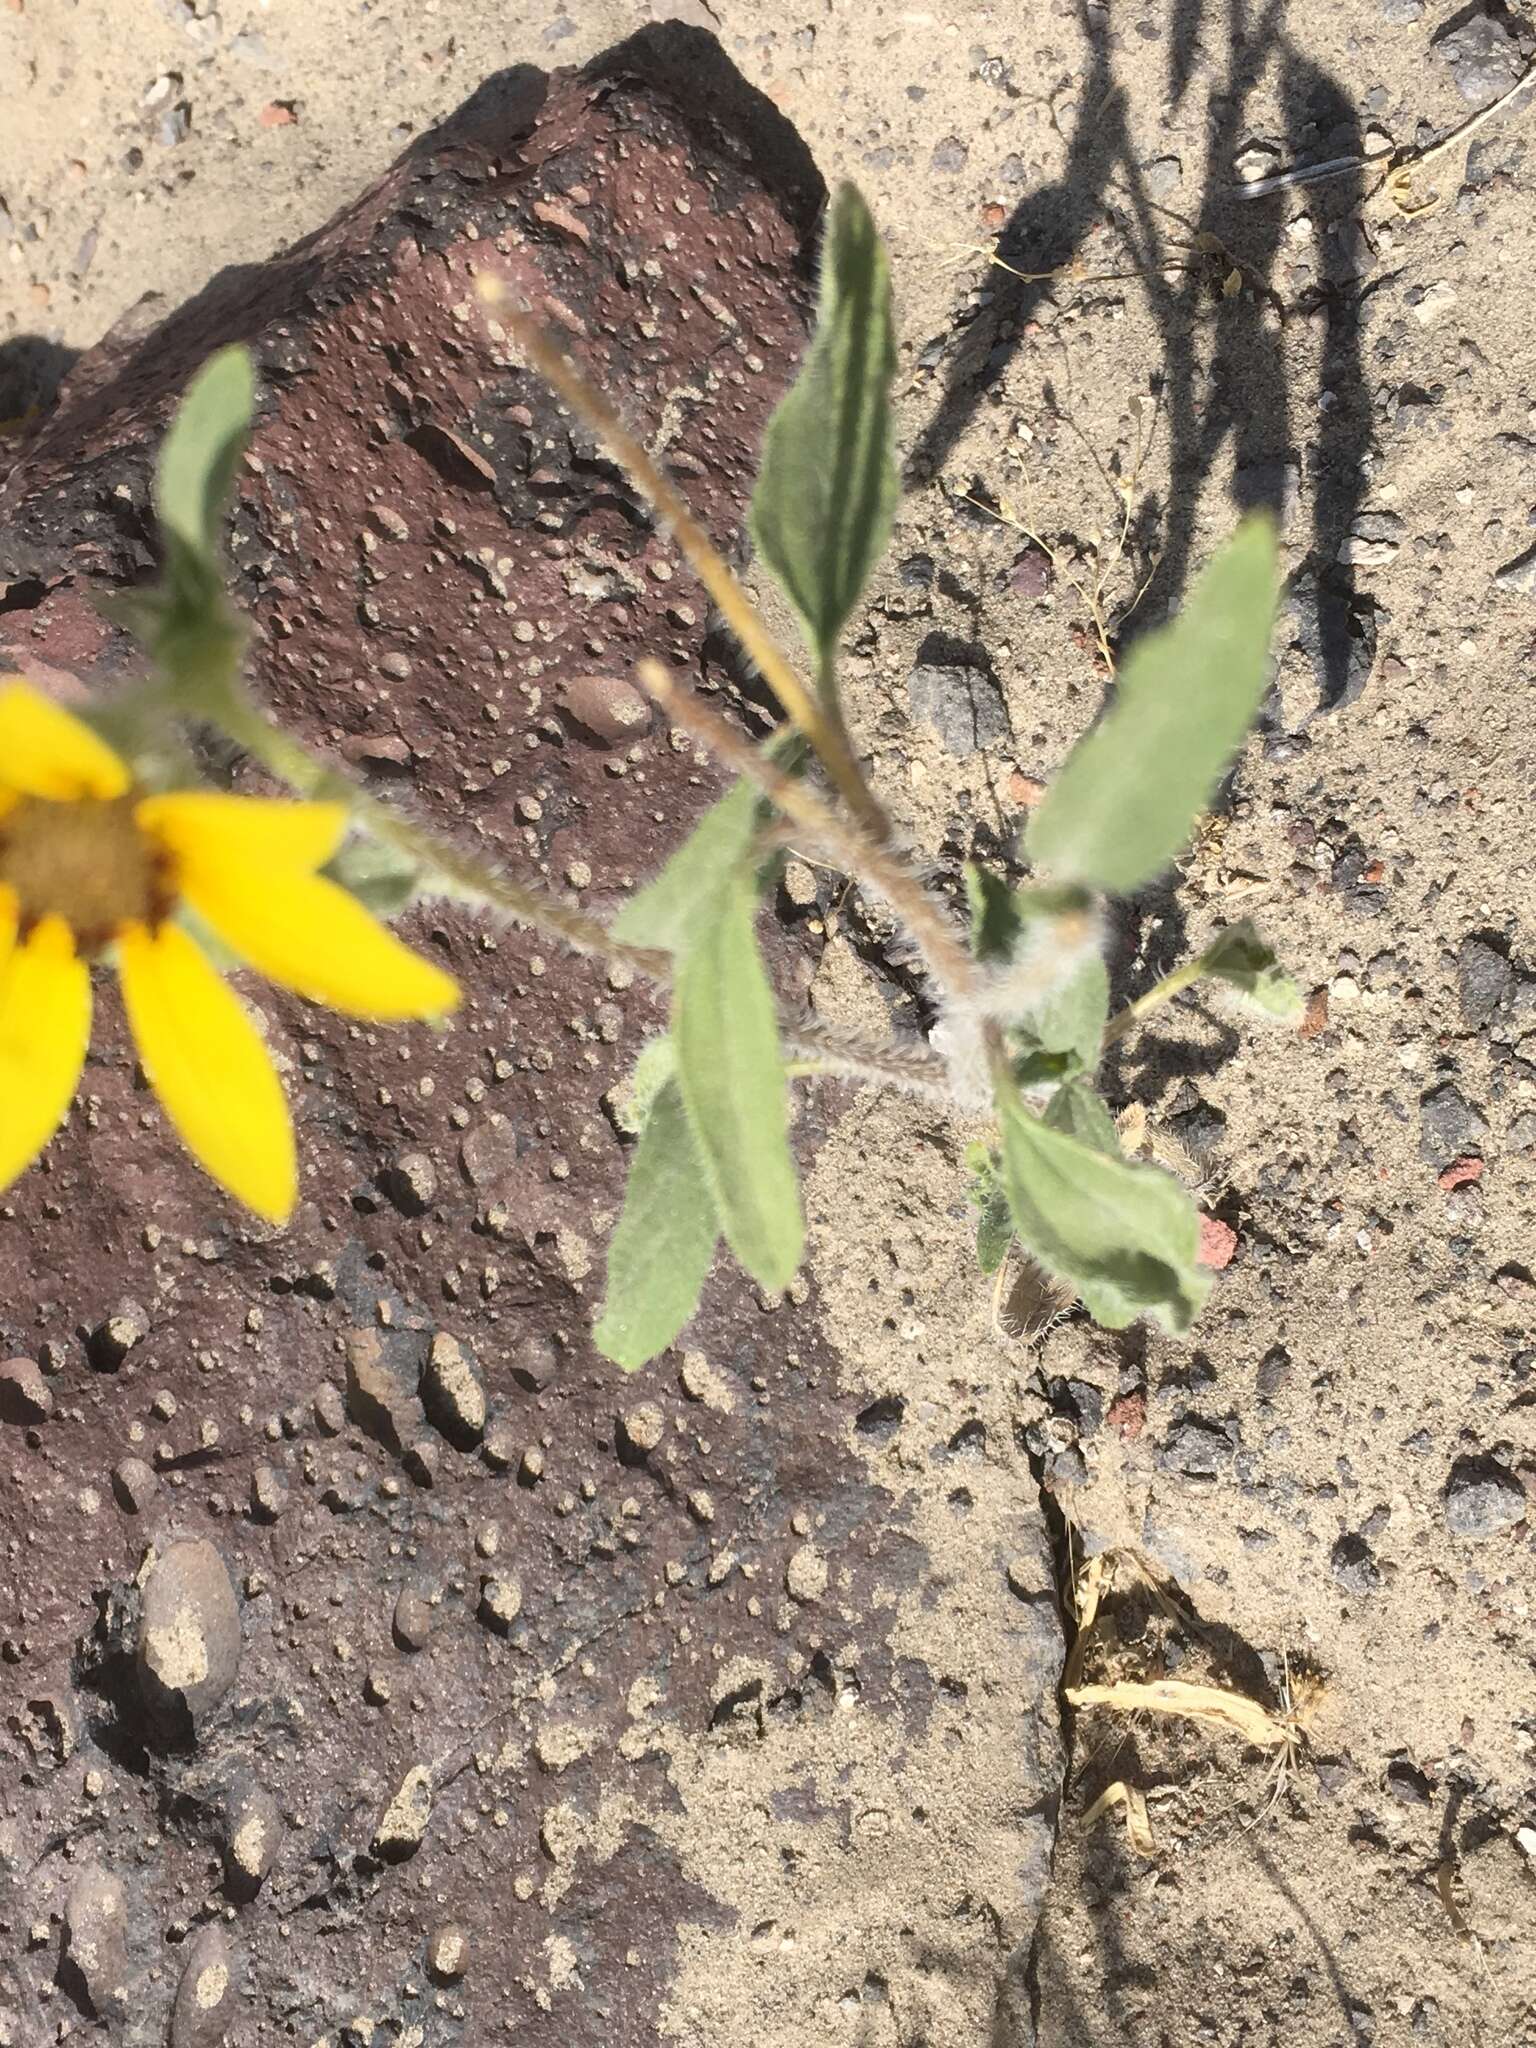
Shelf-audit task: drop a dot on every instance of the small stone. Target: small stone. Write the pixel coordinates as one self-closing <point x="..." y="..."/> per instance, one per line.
<point x="1218" y="1243"/>
<point x="604" y="709"/>
<point x="406" y="1818"/>
<point x="1518" y="575"/>
<point x="448" y="1953"/>
<point x="330" y="1412"/>
<point x="1484" y="57"/>
<point x="134" y="1485"/>
<point x="269" y="1494"/>
<point x="805" y="1575"/>
<point x="412" y="1620"/>
<point x="1482" y="1498"/>
<point x="1461" y="1173"/>
<point x="501" y="1602"/>
<point x="1256" y="161"/>
<point x="386" y="753"/>
<point x="640" y="1431"/>
<point x="1354" y="1565"/>
<point x="95" y="1940"/>
<point x="253" y="1835"/>
<point x="1483" y="976"/>
<point x="798" y="883"/>
<point x="25" y="1396"/>
<point x="410" y="1182"/>
<point x="205" y="1996"/>
<point x="189" y="1632"/>
<point x="396" y="666"/>
<point x="422" y="1460"/>
<point x="963" y="704"/>
<point x="114" y="1337"/>
<point x="376" y="1686"/>
<point x="1162" y="176"/>
<point x="381" y="1391"/>
<point x="1449" y="1127"/>
<point x="500" y="1448"/>
<point x="1196" y="1448"/>
<point x="452" y="1393"/>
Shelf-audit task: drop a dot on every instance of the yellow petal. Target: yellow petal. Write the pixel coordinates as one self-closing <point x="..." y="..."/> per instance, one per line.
<point x="10" y="913"/>
<point x="311" y="936"/>
<point x="45" y="1023"/>
<point x="203" y="826"/>
<point x="47" y="751"/>
<point x="206" y="1062"/>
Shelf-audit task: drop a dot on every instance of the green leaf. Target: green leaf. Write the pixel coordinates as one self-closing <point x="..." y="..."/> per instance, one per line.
<point x="1126" y="1237"/>
<point x="732" y="1075"/>
<point x="994" y="1225"/>
<point x="995" y="920"/>
<point x="1072" y="1017"/>
<point x="202" y="452"/>
<point x="1240" y="958"/>
<point x="668" y="912"/>
<point x="1130" y="793"/>
<point x="664" y="1243"/>
<point x="827" y="489"/>
<point x="383" y="879"/>
<point x="633" y="1097"/>
<point x="1081" y="1113"/>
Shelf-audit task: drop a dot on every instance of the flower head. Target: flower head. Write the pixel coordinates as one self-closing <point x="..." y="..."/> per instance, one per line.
<point x="91" y="864"/>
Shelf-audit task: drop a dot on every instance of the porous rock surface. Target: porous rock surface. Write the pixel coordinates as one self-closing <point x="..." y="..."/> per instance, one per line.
<point x="764" y="1745"/>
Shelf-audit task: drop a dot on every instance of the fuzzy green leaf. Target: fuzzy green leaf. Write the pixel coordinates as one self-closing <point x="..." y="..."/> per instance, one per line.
<point x="383" y="879"/>
<point x="1130" y="793"/>
<point x="731" y="1071"/>
<point x="1081" y="1113"/>
<point x="631" y="1100"/>
<point x="202" y="452"/>
<point x="1126" y="1237"/>
<point x="995" y="921"/>
<point x="986" y="1193"/>
<point x="664" y="1244"/>
<point x="1071" y="1018"/>
<point x="1240" y="958"/>
<point x="668" y="912"/>
<point x="827" y="489"/>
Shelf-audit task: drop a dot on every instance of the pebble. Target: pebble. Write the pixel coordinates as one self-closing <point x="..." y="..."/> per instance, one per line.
<point x="1483" y="976"/>
<point x="189" y="1631"/>
<point x="1449" y="1127"/>
<point x="1196" y="1448"/>
<point x="963" y="704"/>
<point x="410" y="1182"/>
<point x="254" y="1832"/>
<point x="501" y="1602"/>
<point x="1482" y="1498"/>
<point x="205" y="1997"/>
<point x="805" y="1575"/>
<point x="381" y="1392"/>
<point x="269" y="1494"/>
<point x="25" y="1396"/>
<point x="1483" y="56"/>
<point x="406" y="1818"/>
<point x="640" y="1430"/>
<point x="448" y="1952"/>
<point x="1518" y="575"/>
<point x="95" y="1934"/>
<point x="1354" y="1564"/>
<point x="135" y="1484"/>
<point x="453" y="1394"/>
<point x="115" y="1336"/>
<point x="412" y="1622"/>
<point x="330" y="1412"/>
<point x="604" y="709"/>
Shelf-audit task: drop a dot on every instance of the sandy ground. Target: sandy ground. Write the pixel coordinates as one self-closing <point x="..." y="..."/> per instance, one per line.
<point x="1337" y="1469"/>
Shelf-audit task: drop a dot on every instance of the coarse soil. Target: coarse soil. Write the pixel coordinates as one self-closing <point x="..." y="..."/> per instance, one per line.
<point x="774" y="1750"/>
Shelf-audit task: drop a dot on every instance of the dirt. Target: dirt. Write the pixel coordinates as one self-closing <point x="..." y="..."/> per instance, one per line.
<point x="1333" y="1475"/>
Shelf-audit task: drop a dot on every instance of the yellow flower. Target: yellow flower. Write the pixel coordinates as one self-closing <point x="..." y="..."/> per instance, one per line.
<point x="88" y="861"/>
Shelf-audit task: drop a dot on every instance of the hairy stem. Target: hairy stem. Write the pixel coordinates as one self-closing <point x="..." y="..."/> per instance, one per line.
<point x="822" y="727"/>
<point x="847" y="843"/>
<point x="1153" y="999"/>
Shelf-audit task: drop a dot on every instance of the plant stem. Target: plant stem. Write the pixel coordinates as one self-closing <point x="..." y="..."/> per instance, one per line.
<point x="821" y="726"/>
<point x="1153" y="999"/>
<point x="464" y="875"/>
<point x="845" y="841"/>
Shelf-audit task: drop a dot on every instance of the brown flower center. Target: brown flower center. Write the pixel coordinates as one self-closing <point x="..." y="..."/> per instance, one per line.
<point x="87" y="863"/>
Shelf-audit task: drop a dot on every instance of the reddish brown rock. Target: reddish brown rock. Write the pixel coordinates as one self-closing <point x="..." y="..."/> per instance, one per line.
<point x="428" y="549"/>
